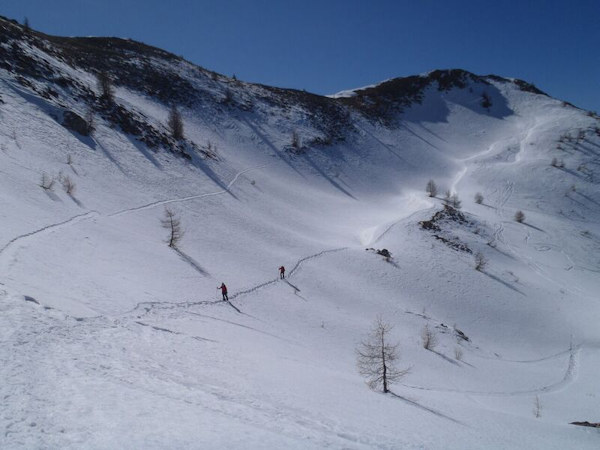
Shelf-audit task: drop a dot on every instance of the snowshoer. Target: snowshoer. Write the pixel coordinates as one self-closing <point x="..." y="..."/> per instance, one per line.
<point x="282" y="272"/>
<point x="224" y="292"/>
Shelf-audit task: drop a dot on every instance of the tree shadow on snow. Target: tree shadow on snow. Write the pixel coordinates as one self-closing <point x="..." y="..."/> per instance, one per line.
<point x="588" y="198"/>
<point x="192" y="262"/>
<point x="85" y="140"/>
<point x="258" y="132"/>
<point x="534" y="227"/>
<point x="425" y="408"/>
<point x="77" y="202"/>
<point x="144" y="151"/>
<point x="499" y="280"/>
<point x="52" y="195"/>
<point x="444" y="357"/>
<point x="327" y="177"/>
<point x="204" y="167"/>
<point x="111" y="158"/>
<point x="508" y="255"/>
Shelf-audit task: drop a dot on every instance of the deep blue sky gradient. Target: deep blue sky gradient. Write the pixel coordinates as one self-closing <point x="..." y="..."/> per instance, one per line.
<point x="329" y="45"/>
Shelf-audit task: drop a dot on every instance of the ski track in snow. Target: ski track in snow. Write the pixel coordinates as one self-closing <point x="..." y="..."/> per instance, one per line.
<point x="94" y="213"/>
<point x="165" y="306"/>
<point x="568" y="377"/>
<point x="403" y="219"/>
<point x="73" y="350"/>
<point x="69" y="343"/>
<point x="70" y="221"/>
<point x="149" y="306"/>
<point x="185" y="199"/>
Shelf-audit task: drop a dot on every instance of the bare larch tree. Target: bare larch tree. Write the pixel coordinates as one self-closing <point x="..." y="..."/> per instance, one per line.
<point x="429" y="338"/>
<point x="172" y="223"/>
<point x="175" y="123"/>
<point x="431" y="188"/>
<point x="105" y="86"/>
<point x="376" y="358"/>
<point x="520" y="216"/>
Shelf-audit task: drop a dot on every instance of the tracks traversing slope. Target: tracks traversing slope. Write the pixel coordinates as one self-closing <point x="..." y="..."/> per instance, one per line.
<point x="568" y="377"/>
<point x="185" y="199"/>
<point x="94" y="213"/>
<point x="70" y="221"/>
<point x="149" y="306"/>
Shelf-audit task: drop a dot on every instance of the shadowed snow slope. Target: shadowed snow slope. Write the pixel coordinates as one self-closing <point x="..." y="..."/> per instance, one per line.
<point x="111" y="339"/>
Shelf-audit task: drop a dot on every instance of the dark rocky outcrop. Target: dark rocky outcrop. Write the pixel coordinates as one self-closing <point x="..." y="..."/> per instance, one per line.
<point x="75" y="122"/>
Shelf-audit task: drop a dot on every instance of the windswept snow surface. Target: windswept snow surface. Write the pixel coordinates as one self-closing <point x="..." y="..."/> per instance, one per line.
<point x="111" y="339"/>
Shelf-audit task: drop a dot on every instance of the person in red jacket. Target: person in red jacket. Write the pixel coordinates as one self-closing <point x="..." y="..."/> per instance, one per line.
<point x="224" y="292"/>
<point x="282" y="272"/>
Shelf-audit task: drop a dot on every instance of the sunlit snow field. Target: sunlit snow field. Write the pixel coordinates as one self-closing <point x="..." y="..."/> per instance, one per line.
<point x="111" y="339"/>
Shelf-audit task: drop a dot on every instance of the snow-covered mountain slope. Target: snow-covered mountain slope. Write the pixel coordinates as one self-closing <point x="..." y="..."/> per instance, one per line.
<point x="111" y="339"/>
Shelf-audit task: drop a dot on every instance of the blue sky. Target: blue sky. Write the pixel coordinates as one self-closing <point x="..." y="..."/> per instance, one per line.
<point x="330" y="45"/>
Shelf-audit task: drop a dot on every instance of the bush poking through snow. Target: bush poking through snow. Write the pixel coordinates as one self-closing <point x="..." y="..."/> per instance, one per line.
<point x="458" y="353"/>
<point x="454" y="201"/>
<point x="429" y="338"/>
<point x="480" y="261"/>
<point x="228" y="98"/>
<point x="296" y="142"/>
<point x="175" y="123"/>
<point x="520" y="216"/>
<point x="47" y="182"/>
<point x="479" y="198"/>
<point x="486" y="101"/>
<point x="376" y="357"/>
<point x="537" y="407"/>
<point x="171" y="222"/>
<point x="67" y="184"/>
<point x="90" y="121"/>
<point x="105" y="86"/>
<point x="447" y="196"/>
<point x="431" y="188"/>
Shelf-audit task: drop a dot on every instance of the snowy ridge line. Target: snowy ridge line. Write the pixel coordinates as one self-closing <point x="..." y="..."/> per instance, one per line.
<point x="185" y="199"/>
<point x="568" y="377"/>
<point x="48" y="227"/>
